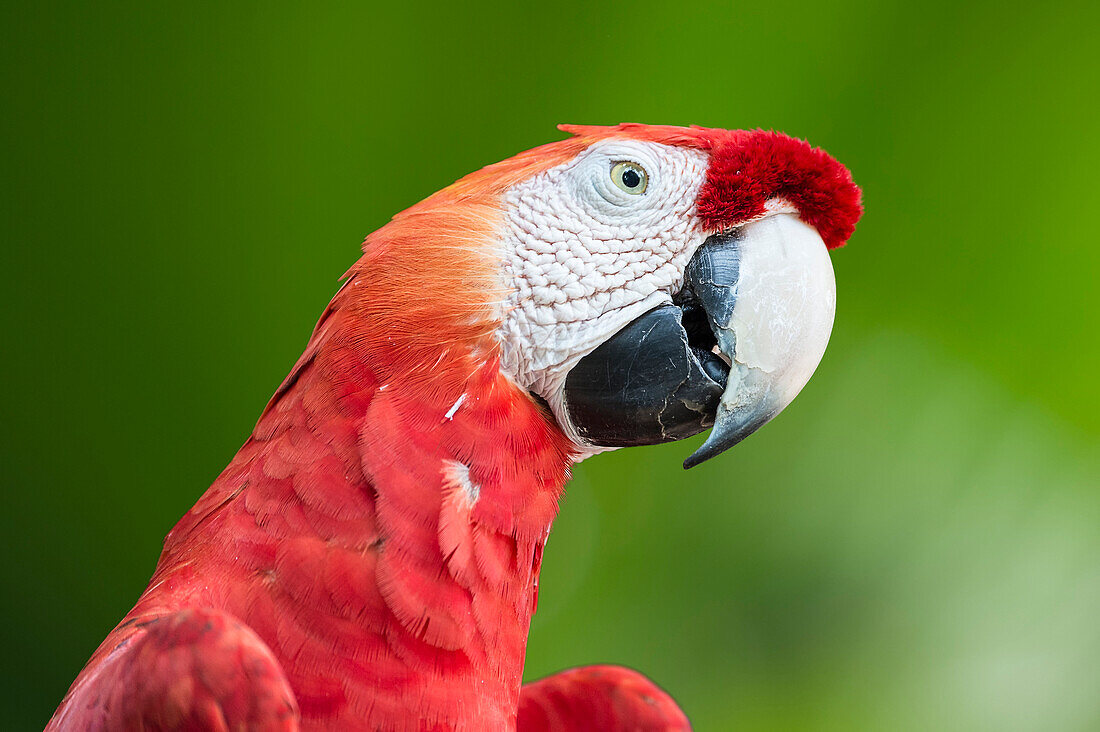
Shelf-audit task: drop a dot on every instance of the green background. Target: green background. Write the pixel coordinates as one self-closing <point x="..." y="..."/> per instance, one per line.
<point x="914" y="544"/>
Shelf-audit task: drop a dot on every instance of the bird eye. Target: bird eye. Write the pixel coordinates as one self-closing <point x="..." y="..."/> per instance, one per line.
<point x="630" y="177"/>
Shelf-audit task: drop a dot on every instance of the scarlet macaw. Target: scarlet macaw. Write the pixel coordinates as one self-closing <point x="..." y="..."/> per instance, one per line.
<point x="370" y="557"/>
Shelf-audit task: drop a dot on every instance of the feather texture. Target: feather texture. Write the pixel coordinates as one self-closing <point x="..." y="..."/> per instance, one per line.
<point x="369" y="559"/>
<point x="392" y="596"/>
<point x="598" y="698"/>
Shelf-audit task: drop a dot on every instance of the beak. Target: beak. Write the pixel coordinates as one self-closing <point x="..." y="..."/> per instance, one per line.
<point x="645" y="385"/>
<point x="769" y="294"/>
<point x="733" y="349"/>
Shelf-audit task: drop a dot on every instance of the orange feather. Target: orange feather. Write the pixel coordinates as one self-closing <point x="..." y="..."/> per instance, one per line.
<point x="338" y="553"/>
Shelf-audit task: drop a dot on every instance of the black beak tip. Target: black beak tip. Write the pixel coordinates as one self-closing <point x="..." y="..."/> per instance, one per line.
<point x="709" y="450"/>
<point x="694" y="459"/>
<point x="728" y="431"/>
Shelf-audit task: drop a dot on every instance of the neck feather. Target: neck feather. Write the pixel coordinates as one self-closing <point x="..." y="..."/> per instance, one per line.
<point x="392" y="503"/>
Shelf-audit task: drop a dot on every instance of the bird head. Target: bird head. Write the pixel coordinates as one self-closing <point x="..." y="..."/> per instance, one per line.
<point x="642" y="282"/>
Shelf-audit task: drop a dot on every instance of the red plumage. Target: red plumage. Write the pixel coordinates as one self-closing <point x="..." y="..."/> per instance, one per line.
<point x="369" y="559"/>
<point x="598" y="698"/>
<point x="749" y="167"/>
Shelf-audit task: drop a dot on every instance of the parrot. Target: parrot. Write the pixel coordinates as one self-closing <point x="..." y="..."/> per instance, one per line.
<point x="369" y="559"/>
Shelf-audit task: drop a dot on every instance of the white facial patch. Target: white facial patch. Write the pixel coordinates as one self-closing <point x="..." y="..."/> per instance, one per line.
<point x="583" y="257"/>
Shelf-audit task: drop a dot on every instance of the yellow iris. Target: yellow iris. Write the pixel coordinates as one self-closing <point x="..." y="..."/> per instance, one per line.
<point x="630" y="177"/>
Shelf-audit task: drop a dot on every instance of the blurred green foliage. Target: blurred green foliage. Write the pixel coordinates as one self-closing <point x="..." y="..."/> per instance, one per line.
<point x="914" y="544"/>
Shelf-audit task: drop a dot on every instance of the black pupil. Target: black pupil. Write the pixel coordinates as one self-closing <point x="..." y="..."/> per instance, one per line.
<point x="631" y="179"/>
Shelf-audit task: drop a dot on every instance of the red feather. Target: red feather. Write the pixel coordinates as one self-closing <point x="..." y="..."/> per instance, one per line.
<point x="369" y="559"/>
<point x="598" y="698"/>
<point x="749" y="167"/>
